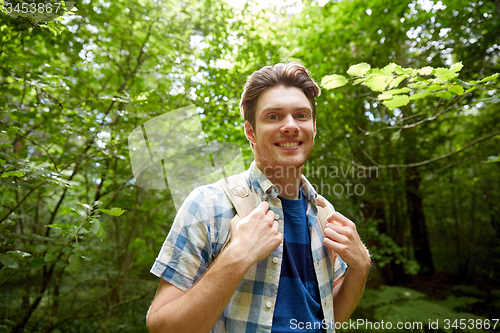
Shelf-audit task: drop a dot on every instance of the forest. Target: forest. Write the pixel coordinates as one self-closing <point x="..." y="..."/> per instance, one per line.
<point x="407" y="147"/>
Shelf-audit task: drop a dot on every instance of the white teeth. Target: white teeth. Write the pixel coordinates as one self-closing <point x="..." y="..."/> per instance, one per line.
<point x="288" y="144"/>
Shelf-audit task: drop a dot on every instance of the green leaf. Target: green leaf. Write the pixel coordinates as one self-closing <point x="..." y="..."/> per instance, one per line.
<point x="69" y="210"/>
<point x="19" y="254"/>
<point x="61" y="226"/>
<point x="490" y="78"/>
<point x="397" y="101"/>
<point x="457" y="67"/>
<point x="434" y="87"/>
<point x="444" y="74"/>
<point x="41" y="248"/>
<point x="398" y="91"/>
<point x="442" y="71"/>
<point x="6" y="261"/>
<point x="457" y="90"/>
<point x="84" y="205"/>
<point x="396" y="81"/>
<point x="493" y="159"/>
<point x="389" y="69"/>
<point x="2" y="162"/>
<point x="142" y="96"/>
<point x="75" y="261"/>
<point x="378" y="82"/>
<point x="115" y="211"/>
<point x="359" y="69"/>
<point x="49" y="257"/>
<point x="97" y="229"/>
<point x="5" y="145"/>
<point x="425" y="70"/>
<point x="83" y="231"/>
<point x="405" y="71"/>
<point x="445" y="94"/>
<point x="462" y="83"/>
<point x="361" y="80"/>
<point x="10" y="322"/>
<point x="37" y="262"/>
<point x="384" y="96"/>
<point x="333" y="81"/>
<point x="12" y="173"/>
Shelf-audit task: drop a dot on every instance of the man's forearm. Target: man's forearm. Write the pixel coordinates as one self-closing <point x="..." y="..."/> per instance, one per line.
<point x="200" y="307"/>
<point x="348" y="294"/>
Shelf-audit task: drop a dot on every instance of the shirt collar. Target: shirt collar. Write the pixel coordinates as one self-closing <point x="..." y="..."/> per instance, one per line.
<point x="263" y="185"/>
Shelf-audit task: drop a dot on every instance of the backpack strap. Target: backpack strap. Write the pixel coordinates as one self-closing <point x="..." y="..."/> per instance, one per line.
<point x="237" y="190"/>
<point x="323" y="212"/>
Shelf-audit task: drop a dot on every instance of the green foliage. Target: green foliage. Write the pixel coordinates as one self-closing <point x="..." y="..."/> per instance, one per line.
<point x="425" y="82"/>
<point x="333" y="81"/>
<point x="403" y="305"/>
<point x="69" y="97"/>
<point x="113" y="211"/>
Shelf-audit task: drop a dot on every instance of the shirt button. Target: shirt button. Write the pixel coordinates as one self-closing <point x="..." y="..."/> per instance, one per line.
<point x="277" y="217"/>
<point x="264" y="196"/>
<point x="269" y="304"/>
<point x="275" y="260"/>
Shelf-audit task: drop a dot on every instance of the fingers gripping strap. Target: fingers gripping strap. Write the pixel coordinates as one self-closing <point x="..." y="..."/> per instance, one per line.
<point x="323" y="212"/>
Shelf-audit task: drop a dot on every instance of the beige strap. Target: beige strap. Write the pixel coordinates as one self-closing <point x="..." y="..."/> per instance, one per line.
<point x="323" y="212"/>
<point x="237" y="190"/>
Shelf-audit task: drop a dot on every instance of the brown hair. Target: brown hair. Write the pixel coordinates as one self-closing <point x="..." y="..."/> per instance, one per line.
<point x="293" y="74"/>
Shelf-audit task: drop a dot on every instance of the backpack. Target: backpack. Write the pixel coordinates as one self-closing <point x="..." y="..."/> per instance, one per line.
<point x="237" y="190"/>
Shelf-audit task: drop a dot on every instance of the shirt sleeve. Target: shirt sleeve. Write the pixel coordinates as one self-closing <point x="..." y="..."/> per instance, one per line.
<point x="185" y="253"/>
<point x="339" y="269"/>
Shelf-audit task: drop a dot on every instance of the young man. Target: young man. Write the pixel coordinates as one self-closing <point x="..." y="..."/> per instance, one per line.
<point x="277" y="273"/>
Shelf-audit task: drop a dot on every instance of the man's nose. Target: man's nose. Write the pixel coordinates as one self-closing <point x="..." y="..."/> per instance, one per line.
<point x="289" y="125"/>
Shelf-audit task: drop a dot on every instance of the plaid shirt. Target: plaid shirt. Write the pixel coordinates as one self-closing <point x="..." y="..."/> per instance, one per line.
<point x="193" y="243"/>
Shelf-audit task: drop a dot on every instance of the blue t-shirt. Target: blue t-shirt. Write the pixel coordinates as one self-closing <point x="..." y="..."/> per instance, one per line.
<point x="298" y="303"/>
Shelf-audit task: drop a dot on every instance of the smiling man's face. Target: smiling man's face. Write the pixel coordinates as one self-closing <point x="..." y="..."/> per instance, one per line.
<point x="284" y="128"/>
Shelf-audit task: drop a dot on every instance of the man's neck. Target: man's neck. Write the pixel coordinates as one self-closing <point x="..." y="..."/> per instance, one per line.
<point x="285" y="178"/>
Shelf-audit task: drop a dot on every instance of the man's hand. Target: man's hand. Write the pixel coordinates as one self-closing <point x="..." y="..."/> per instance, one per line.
<point x="342" y="237"/>
<point x="256" y="236"/>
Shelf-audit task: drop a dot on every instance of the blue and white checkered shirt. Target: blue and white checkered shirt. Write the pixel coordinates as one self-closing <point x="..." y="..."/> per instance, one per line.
<point x="193" y="243"/>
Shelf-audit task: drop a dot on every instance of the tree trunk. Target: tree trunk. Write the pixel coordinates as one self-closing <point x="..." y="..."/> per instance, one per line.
<point x="419" y="235"/>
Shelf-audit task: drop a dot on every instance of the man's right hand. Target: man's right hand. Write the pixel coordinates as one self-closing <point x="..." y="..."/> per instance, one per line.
<point x="256" y="236"/>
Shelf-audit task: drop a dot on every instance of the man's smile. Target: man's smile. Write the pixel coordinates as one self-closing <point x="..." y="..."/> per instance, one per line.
<point x="288" y="143"/>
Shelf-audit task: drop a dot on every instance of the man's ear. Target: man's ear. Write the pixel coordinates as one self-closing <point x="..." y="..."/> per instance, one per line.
<point x="249" y="132"/>
<point x="314" y="127"/>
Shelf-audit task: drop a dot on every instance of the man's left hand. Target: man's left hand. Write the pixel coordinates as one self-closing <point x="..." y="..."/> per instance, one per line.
<point x="342" y="237"/>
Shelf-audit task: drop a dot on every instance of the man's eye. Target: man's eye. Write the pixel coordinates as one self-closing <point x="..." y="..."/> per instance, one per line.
<point x="302" y="115"/>
<point x="272" y="117"/>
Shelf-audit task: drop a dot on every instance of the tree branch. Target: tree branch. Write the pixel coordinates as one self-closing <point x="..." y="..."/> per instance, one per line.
<point x="418" y="164"/>
<point x="20" y="202"/>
